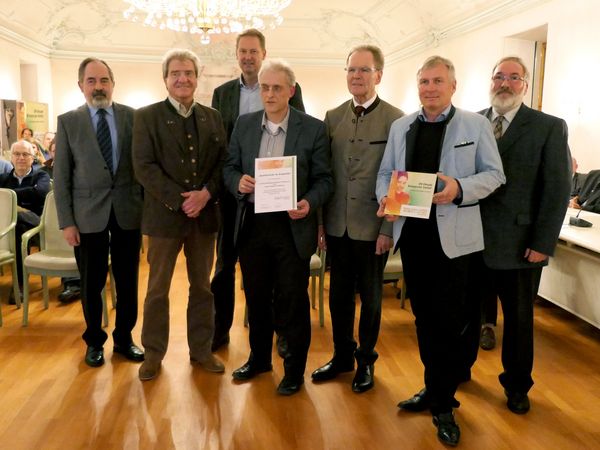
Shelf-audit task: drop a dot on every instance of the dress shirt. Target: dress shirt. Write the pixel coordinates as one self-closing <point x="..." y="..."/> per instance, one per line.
<point x="443" y="115"/>
<point x="250" y="100"/>
<point x="180" y="108"/>
<point x="365" y="104"/>
<point x="112" y="126"/>
<point x="508" y="117"/>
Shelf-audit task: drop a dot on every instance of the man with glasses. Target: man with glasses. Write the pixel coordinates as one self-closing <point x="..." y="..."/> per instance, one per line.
<point x="275" y="247"/>
<point x="521" y="221"/>
<point x="232" y="99"/>
<point x="31" y="187"/>
<point x="356" y="239"/>
<point x="178" y="149"/>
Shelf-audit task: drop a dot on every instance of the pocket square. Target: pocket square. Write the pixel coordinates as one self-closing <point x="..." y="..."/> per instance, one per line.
<point x="464" y="144"/>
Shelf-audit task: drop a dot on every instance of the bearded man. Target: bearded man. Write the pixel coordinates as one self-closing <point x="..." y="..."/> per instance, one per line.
<point x="521" y="220"/>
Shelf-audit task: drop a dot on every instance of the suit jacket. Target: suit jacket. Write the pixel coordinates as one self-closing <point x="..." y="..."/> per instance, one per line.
<point x="31" y="193"/>
<point x="589" y="195"/>
<point x="469" y="154"/>
<point x="85" y="189"/>
<point x="164" y="166"/>
<point x="577" y="183"/>
<point x="307" y="139"/>
<point x="357" y="147"/>
<point x="528" y="211"/>
<point x="226" y="100"/>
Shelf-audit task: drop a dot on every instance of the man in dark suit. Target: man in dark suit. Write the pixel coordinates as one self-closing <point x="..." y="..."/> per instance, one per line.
<point x="179" y="148"/>
<point x="356" y="239"/>
<point x="577" y="180"/>
<point x="275" y="248"/>
<point x="521" y="220"/>
<point x="99" y="206"/>
<point x="588" y="197"/>
<point x="31" y="187"/>
<point x="232" y="99"/>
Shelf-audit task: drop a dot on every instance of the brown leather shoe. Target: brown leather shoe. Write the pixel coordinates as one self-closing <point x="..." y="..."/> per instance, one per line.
<point x="210" y="363"/>
<point x="149" y="369"/>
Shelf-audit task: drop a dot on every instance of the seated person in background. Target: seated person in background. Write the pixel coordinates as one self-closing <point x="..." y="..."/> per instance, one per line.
<point x="72" y="285"/>
<point x="5" y="166"/>
<point x="578" y="179"/>
<point x="27" y="134"/>
<point x="31" y="187"/>
<point x="588" y="197"/>
<point x="38" y="156"/>
<point x="48" y="138"/>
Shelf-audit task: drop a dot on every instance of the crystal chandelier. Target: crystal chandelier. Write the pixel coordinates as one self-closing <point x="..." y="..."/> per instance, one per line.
<point x="206" y="17"/>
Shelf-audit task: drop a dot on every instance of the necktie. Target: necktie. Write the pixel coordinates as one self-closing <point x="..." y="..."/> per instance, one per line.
<point x="498" y="127"/>
<point x="358" y="110"/>
<point x="104" y="140"/>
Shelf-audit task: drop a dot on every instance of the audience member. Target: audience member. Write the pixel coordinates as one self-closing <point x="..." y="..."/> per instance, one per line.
<point x="356" y="239"/>
<point x="275" y="248"/>
<point x="179" y="148"/>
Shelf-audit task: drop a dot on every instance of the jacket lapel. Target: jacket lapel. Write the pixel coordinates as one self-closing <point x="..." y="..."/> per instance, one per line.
<point x="518" y="126"/>
<point x="175" y="127"/>
<point x="293" y="132"/>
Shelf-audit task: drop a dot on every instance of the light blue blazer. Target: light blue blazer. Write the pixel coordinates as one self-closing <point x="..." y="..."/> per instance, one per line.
<point x="469" y="154"/>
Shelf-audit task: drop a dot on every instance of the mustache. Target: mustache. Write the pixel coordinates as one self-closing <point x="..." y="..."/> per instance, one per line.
<point x="98" y="93"/>
<point x="503" y="90"/>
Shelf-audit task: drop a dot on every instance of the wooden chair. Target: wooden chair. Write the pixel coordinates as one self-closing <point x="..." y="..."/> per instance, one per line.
<point x="8" y="222"/>
<point x="393" y="271"/>
<point x="55" y="258"/>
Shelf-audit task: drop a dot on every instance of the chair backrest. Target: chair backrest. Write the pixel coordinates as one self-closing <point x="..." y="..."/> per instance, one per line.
<point x="52" y="237"/>
<point x="8" y="217"/>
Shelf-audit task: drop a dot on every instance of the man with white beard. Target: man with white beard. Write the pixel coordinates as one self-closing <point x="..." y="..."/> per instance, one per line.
<point x="521" y="221"/>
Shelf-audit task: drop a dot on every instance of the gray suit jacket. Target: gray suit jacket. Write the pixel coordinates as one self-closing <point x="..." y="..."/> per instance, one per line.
<point x="528" y="211"/>
<point x="164" y="167"/>
<point x="469" y="154"/>
<point x="306" y="138"/>
<point x="357" y="147"/>
<point x="85" y="190"/>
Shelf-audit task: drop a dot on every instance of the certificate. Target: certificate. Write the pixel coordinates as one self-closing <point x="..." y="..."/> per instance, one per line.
<point x="275" y="187"/>
<point x="410" y="194"/>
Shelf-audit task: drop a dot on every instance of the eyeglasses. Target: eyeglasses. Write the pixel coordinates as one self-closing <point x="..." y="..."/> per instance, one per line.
<point x="363" y="70"/>
<point x="21" y="155"/>
<point x="500" y="78"/>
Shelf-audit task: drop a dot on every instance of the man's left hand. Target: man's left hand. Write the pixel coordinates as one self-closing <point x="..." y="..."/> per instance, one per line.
<point x="301" y="212"/>
<point x="383" y="245"/>
<point x="535" y="257"/>
<point x="449" y="193"/>
<point x="194" y="202"/>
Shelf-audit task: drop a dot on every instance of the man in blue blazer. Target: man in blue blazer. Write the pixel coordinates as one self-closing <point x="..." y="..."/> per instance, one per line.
<point x="437" y="252"/>
<point x="99" y="206"/>
<point x="232" y="99"/>
<point x="275" y="248"/>
<point x="521" y="220"/>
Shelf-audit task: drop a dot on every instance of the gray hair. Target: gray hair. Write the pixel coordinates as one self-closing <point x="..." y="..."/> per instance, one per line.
<point x="434" y="61"/>
<point x="373" y="49"/>
<point x="182" y="55"/>
<point x="23" y="144"/>
<point x="514" y="59"/>
<point x="278" y="65"/>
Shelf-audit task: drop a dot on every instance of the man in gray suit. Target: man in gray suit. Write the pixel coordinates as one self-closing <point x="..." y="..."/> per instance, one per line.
<point x="522" y="220"/>
<point x="437" y="252"/>
<point x="275" y="248"/>
<point x="99" y="205"/>
<point x="356" y="239"/>
<point x="179" y="148"/>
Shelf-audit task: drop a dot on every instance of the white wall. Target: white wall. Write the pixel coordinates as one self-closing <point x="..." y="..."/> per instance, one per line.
<point x="572" y="60"/>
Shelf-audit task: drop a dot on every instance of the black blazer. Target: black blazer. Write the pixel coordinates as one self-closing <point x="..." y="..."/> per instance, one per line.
<point x="589" y="195"/>
<point x="528" y="211"/>
<point x="226" y="100"/>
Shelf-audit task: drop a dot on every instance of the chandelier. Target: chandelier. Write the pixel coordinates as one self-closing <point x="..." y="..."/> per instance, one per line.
<point x="206" y="17"/>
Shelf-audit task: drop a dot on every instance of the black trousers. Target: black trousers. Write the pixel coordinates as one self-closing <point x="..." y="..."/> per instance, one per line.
<point x="270" y="263"/>
<point x="355" y="267"/>
<point x="439" y="296"/>
<point x="92" y="261"/>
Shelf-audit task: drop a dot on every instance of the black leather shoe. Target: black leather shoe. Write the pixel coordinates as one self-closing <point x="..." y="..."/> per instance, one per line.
<point x="331" y="370"/>
<point x="219" y="341"/>
<point x="69" y="295"/>
<point x="94" y="356"/>
<point x="421" y="402"/>
<point x="250" y="370"/>
<point x="130" y="351"/>
<point x="363" y="380"/>
<point x="289" y="385"/>
<point x="282" y="346"/>
<point x="448" y="432"/>
<point x="517" y="402"/>
<point x="487" y="339"/>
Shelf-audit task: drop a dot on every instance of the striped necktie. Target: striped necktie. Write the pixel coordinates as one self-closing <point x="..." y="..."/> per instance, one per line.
<point x="104" y="140"/>
<point x="498" y="127"/>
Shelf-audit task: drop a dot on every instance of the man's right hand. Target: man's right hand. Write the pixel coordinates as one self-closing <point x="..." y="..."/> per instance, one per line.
<point x="71" y="235"/>
<point x="246" y="185"/>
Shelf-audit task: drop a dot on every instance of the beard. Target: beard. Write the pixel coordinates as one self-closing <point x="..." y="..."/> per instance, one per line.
<point x="100" y="100"/>
<point x="504" y="104"/>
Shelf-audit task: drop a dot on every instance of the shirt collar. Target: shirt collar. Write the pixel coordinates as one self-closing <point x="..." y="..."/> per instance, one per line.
<point x="245" y="86"/>
<point x="93" y="110"/>
<point x="180" y="108"/>
<point x="443" y="116"/>
<point x="24" y="176"/>
<point x="283" y="125"/>
<point x="508" y="116"/>
<point x="365" y="104"/>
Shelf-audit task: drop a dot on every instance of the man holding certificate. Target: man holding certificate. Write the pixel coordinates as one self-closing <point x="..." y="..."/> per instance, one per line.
<point x="437" y="251"/>
<point x="275" y="246"/>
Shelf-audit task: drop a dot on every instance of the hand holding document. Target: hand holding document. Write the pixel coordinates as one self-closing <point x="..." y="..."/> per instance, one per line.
<point x="276" y="187"/>
<point x="410" y="194"/>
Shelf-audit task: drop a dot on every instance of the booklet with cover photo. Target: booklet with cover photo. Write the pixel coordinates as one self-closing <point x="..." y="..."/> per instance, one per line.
<point x="410" y="194"/>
